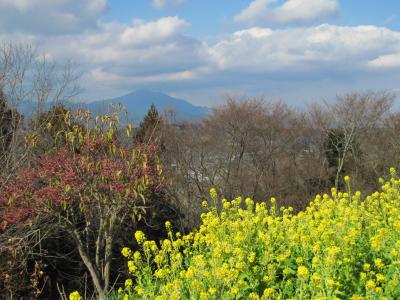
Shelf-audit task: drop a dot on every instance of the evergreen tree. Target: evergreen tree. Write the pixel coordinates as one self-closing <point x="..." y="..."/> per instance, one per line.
<point x="50" y="121"/>
<point x="8" y="119"/>
<point x="149" y="129"/>
<point x="49" y="125"/>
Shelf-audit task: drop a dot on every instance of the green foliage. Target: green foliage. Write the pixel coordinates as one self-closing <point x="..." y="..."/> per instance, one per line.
<point x="49" y="125"/>
<point x="149" y="128"/>
<point x="9" y="119"/>
<point x="52" y="120"/>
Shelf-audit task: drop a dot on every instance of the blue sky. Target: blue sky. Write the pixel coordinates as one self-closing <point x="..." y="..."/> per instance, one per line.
<point x="296" y="50"/>
<point x="210" y="17"/>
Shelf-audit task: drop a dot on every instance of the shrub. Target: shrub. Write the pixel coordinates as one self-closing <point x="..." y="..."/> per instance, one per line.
<point x="86" y="189"/>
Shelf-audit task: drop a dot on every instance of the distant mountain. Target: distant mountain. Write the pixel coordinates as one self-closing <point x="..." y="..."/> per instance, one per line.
<point x="137" y="104"/>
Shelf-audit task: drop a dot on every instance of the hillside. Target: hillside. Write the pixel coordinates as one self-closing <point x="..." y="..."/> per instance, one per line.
<point x="137" y="104"/>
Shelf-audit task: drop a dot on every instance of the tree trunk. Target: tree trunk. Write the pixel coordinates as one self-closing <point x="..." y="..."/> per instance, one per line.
<point x="108" y="236"/>
<point x="93" y="270"/>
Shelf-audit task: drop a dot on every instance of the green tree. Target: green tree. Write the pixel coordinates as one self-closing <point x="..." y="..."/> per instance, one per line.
<point x="9" y="120"/>
<point x="48" y="124"/>
<point x="149" y="130"/>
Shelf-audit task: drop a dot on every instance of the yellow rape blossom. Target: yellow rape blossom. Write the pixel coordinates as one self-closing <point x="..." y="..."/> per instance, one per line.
<point x="75" y="296"/>
<point x="342" y="244"/>
<point x="140" y="237"/>
<point x="302" y="271"/>
<point x="126" y="251"/>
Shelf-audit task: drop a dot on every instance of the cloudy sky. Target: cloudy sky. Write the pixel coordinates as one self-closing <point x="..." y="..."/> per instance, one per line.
<point x="202" y="50"/>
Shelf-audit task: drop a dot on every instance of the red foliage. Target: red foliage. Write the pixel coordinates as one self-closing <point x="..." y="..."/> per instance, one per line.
<point x="64" y="177"/>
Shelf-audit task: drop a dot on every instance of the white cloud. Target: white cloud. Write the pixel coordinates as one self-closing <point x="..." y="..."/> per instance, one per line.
<point x="390" y="61"/>
<point x="158" y="54"/>
<point x="324" y="48"/>
<point x="50" y="16"/>
<point x="99" y="75"/>
<point x="116" y="57"/>
<point x="158" y="31"/>
<point x="159" y="4"/>
<point x="127" y="56"/>
<point x="292" y="11"/>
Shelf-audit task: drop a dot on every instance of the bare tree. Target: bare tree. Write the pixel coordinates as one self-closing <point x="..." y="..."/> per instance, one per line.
<point x="381" y="149"/>
<point x="257" y="148"/>
<point x="355" y="114"/>
<point x="247" y="147"/>
<point x="26" y="77"/>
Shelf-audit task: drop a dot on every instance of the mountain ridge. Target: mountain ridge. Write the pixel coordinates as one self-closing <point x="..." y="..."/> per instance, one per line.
<point x="137" y="104"/>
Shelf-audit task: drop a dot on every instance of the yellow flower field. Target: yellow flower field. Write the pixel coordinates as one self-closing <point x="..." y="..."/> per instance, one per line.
<point x="344" y="245"/>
